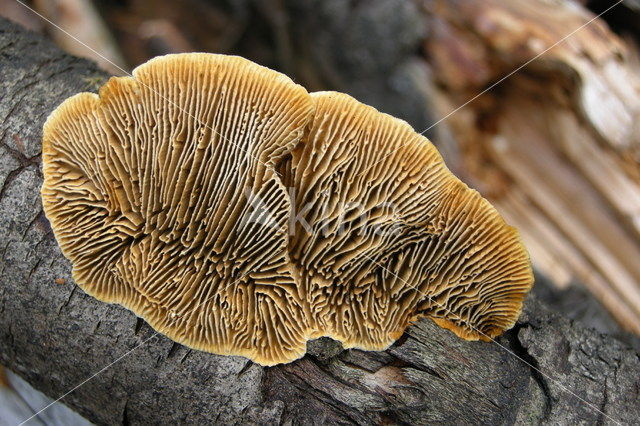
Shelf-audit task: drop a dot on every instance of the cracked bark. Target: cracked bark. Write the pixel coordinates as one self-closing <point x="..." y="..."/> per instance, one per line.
<point x="49" y="332"/>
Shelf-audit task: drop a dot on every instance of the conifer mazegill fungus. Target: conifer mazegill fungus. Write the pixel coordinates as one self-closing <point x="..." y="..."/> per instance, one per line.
<point x="240" y="215"/>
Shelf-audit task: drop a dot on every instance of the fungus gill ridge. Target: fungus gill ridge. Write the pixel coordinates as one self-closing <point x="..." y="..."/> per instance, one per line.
<point x="172" y="193"/>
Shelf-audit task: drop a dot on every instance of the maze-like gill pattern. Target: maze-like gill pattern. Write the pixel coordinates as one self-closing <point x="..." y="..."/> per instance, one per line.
<point x="149" y="186"/>
<point x="394" y="235"/>
<point x="165" y="195"/>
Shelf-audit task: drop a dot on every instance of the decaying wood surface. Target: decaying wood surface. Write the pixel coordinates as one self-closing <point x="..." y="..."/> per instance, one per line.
<point x="82" y="20"/>
<point x="19" y="401"/>
<point x="556" y="146"/>
<point x="56" y="337"/>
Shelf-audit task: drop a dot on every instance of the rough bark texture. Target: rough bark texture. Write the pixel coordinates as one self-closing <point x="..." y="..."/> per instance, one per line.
<point x="56" y="337"/>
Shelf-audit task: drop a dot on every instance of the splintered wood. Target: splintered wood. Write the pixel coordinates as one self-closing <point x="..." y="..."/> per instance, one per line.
<point x="555" y="146"/>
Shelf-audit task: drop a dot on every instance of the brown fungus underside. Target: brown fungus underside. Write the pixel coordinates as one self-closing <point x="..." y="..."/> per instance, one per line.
<point x="169" y="194"/>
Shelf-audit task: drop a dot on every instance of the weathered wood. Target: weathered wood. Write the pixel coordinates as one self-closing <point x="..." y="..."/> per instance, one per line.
<point x="556" y="146"/>
<point x="18" y="401"/>
<point x="57" y="338"/>
<point x="81" y="19"/>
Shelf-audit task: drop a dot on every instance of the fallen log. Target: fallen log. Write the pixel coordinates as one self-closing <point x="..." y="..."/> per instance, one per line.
<point x="112" y="368"/>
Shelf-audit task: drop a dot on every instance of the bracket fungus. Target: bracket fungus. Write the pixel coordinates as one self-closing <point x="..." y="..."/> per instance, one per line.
<point x="172" y="192"/>
<point x="401" y="237"/>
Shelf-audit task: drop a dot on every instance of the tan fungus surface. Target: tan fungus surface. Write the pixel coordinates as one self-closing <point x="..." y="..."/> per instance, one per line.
<point x="151" y="190"/>
<point x="396" y="239"/>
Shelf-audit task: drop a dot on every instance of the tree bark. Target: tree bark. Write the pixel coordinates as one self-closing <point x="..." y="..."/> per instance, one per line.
<point x="545" y="370"/>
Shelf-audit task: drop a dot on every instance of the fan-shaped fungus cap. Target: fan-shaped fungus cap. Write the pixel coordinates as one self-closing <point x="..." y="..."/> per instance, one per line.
<point x="146" y="189"/>
<point x="394" y="235"/>
<point x="163" y="193"/>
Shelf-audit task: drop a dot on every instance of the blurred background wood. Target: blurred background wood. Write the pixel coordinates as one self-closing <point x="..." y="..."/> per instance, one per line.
<point x="556" y="146"/>
<point x="19" y="401"/>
